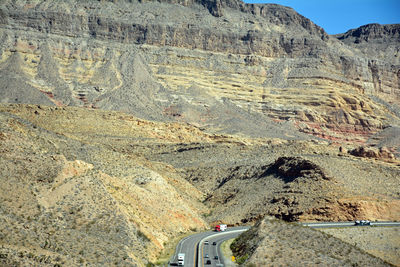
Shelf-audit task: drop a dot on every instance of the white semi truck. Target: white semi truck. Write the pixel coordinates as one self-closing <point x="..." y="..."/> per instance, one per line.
<point x="181" y="259"/>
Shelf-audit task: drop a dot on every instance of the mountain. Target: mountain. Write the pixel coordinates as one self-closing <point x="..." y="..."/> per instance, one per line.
<point x="97" y="187"/>
<point x="127" y="124"/>
<point x="193" y="60"/>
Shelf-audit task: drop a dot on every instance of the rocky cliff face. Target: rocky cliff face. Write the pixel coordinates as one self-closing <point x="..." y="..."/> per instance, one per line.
<point x="244" y="27"/>
<point x="380" y="43"/>
<point x="372" y="33"/>
<point x="153" y="58"/>
<point x="243" y="95"/>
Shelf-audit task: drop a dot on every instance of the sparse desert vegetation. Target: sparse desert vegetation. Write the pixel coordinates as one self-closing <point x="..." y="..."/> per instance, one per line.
<point x="383" y="242"/>
<point x="127" y="124"/>
<point x="69" y="201"/>
<point x="69" y="183"/>
<point x="275" y="243"/>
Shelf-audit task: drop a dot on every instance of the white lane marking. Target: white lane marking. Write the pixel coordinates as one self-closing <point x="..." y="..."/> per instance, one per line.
<point x="200" y="260"/>
<point x="183" y="241"/>
<point x="180" y="245"/>
<point x="218" y="244"/>
<point x="349" y="224"/>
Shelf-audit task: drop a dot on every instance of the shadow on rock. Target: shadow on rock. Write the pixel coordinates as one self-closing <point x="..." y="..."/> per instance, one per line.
<point x="290" y="168"/>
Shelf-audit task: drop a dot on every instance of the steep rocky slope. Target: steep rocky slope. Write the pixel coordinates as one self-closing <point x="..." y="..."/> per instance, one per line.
<point x="383" y="242"/>
<point x="290" y="180"/>
<point x="153" y="119"/>
<point x="218" y="64"/>
<point x="68" y="199"/>
<point x="379" y="41"/>
<point x="276" y="243"/>
<point x="104" y="187"/>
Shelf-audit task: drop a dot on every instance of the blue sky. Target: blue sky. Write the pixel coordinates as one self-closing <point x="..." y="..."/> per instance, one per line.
<point x="338" y="16"/>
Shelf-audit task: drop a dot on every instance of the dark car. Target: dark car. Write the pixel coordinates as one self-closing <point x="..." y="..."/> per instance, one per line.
<point x="214" y="243"/>
<point x="208" y="262"/>
<point x="362" y="223"/>
<point x="216" y="257"/>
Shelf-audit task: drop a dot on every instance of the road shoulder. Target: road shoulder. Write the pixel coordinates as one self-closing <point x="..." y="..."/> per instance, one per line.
<point x="227" y="253"/>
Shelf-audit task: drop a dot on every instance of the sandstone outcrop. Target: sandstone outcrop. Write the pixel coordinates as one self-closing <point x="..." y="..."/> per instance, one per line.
<point x="370" y="152"/>
<point x="132" y="123"/>
<point x="124" y="187"/>
<point x="267" y="61"/>
<point x="290" y="181"/>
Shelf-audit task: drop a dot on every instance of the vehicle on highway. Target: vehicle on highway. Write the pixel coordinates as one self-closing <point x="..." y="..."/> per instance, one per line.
<point x="214" y="243"/>
<point x="221" y="227"/>
<point x="206" y="256"/>
<point x="362" y="223"/>
<point x="216" y="257"/>
<point x="208" y="262"/>
<point x="181" y="259"/>
<point x="206" y="242"/>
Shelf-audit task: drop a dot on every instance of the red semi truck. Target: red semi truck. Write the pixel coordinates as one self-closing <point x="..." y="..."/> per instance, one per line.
<point x="220" y="227"/>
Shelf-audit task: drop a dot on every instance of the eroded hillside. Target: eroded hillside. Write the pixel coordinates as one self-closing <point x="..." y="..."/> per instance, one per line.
<point x="225" y="65"/>
<point x="275" y="243"/>
<point x="70" y="198"/>
<point x="104" y="187"/>
<point x="125" y="124"/>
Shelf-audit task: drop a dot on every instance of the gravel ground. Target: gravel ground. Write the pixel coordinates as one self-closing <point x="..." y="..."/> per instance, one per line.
<point x="227" y="253"/>
<point x="383" y="242"/>
<point x="277" y="243"/>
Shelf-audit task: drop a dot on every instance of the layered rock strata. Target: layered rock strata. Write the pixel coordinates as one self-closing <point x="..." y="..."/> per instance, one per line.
<point x="141" y="57"/>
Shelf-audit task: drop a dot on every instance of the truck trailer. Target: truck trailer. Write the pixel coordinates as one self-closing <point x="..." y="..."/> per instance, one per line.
<point x="220" y="227"/>
<point x="181" y="259"/>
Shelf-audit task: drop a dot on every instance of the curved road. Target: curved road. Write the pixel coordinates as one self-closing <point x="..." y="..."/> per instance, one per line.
<point x="215" y="250"/>
<point x="195" y="247"/>
<point x="190" y="245"/>
<point x="208" y="251"/>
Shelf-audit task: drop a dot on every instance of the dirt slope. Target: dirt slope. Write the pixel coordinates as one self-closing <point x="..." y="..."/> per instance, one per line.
<point x="125" y="186"/>
<point x="139" y="121"/>
<point x="69" y="201"/>
<point x="275" y="243"/>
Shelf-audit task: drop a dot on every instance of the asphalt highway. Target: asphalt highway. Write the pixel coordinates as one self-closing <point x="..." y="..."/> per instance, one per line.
<point x="195" y="248"/>
<point x="208" y="251"/>
<point x="347" y="224"/>
<point x="199" y="253"/>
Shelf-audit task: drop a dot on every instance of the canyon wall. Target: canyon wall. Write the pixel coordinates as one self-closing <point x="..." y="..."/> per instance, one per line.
<point x="151" y="57"/>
